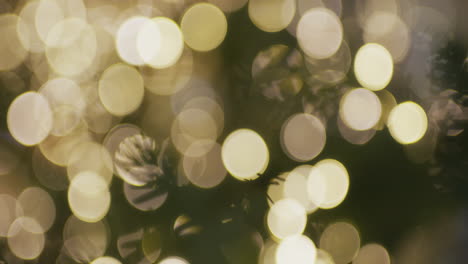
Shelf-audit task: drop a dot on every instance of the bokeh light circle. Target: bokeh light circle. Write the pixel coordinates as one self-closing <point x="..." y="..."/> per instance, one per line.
<point x="286" y="218"/>
<point x="35" y="203"/>
<point x="297" y="250"/>
<point x="29" y="118"/>
<point x="328" y="183"/>
<point x="373" y="66"/>
<point x="89" y="197"/>
<point x="245" y="154"/>
<point x="173" y="260"/>
<point x="372" y="254"/>
<point x="319" y="33"/>
<point x="342" y="241"/>
<point x="121" y="89"/>
<point x="204" y="27"/>
<point x="271" y="15"/>
<point x="360" y="109"/>
<point x="407" y="122"/>
<point x="26" y="238"/>
<point x="303" y="137"/>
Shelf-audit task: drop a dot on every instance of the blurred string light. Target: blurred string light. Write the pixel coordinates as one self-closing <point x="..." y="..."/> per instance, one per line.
<point x="407" y="122"/>
<point x="303" y="137"/>
<point x="271" y="16"/>
<point x="342" y="241"/>
<point x="373" y="66"/>
<point x="35" y="203"/>
<point x="26" y="238"/>
<point x="296" y="249"/>
<point x="295" y="187"/>
<point x="360" y="109"/>
<point x="245" y="154"/>
<point x="372" y="253"/>
<point x="106" y="260"/>
<point x="323" y="257"/>
<point x="173" y="260"/>
<point x="286" y="218"/>
<point x="204" y="27"/>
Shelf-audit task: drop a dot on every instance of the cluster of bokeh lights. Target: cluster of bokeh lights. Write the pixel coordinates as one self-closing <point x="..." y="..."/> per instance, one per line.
<point x="95" y="66"/>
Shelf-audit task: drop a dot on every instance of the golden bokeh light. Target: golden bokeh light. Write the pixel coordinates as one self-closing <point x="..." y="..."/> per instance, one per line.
<point x="275" y="190"/>
<point x="286" y="218"/>
<point x="15" y="50"/>
<point x="8" y="207"/>
<point x="245" y="154"/>
<point x="271" y="15"/>
<point x="84" y="241"/>
<point x="72" y="47"/>
<point x="388" y="102"/>
<point x="29" y="118"/>
<point x="328" y="183"/>
<point x="268" y="252"/>
<point x="88" y="196"/>
<point x="127" y="39"/>
<point x="173" y="260"/>
<point x="204" y="27"/>
<point x="66" y="102"/>
<point x="90" y="156"/>
<point x="121" y="89"/>
<point x="407" y="122"/>
<point x="296" y="249"/>
<point x="388" y="30"/>
<point x="229" y="6"/>
<point x="206" y="171"/>
<point x="171" y="43"/>
<point x="58" y="149"/>
<point x="106" y="260"/>
<point x="372" y="254"/>
<point x="342" y="241"/>
<point x="356" y="137"/>
<point x="148" y="40"/>
<point x="30" y="38"/>
<point x="303" y="137"/>
<point x="360" y="109"/>
<point x="210" y="106"/>
<point x="50" y="175"/>
<point x="26" y="238"/>
<point x="319" y="33"/>
<point x="151" y="244"/>
<point x="323" y="257"/>
<point x="373" y="66"/>
<point x="37" y="204"/>
<point x="295" y="187"/>
<point x="172" y="79"/>
<point x="193" y="132"/>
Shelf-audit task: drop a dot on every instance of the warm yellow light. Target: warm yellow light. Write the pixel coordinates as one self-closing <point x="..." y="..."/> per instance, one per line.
<point x="324" y="257"/>
<point x="193" y="132"/>
<point x="127" y="37"/>
<point x="90" y="156"/>
<point x="303" y="137"/>
<point x="372" y="254"/>
<point x="360" y="109"/>
<point x="206" y="171"/>
<point x="328" y="183"/>
<point x="388" y="103"/>
<point x="29" y="118"/>
<point x="173" y="260"/>
<point x="26" y="238"/>
<point x="245" y="154"/>
<point x="13" y="49"/>
<point x="272" y="15"/>
<point x="71" y="47"/>
<point x="342" y="241"/>
<point x="88" y="196"/>
<point x="319" y="33"/>
<point x="106" y="260"/>
<point x="83" y="241"/>
<point x="210" y="106"/>
<point x="228" y="5"/>
<point x="407" y="122"/>
<point x="373" y="66"/>
<point x="172" y="79"/>
<point x="204" y="27"/>
<point x="268" y="253"/>
<point x="34" y="202"/>
<point x="354" y="136"/>
<point x="8" y="207"/>
<point x="295" y="187"/>
<point x="297" y="250"/>
<point x="164" y="51"/>
<point x="275" y="189"/>
<point x="58" y="149"/>
<point x="286" y="218"/>
<point x="121" y="89"/>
